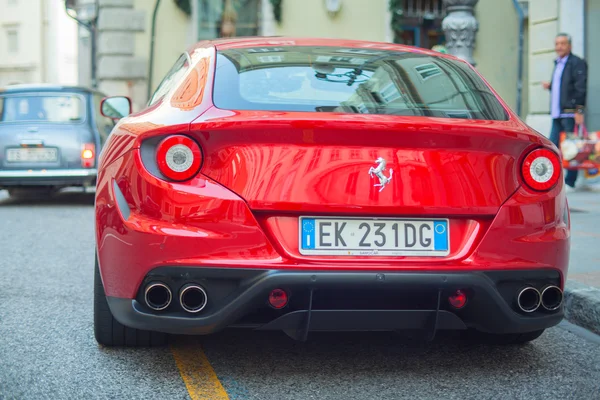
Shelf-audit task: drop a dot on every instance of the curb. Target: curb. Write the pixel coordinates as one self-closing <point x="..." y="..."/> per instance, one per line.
<point x="582" y="305"/>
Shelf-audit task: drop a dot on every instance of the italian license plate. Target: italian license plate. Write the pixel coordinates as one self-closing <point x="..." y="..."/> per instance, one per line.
<point x="374" y="237"/>
<point x="32" y="155"/>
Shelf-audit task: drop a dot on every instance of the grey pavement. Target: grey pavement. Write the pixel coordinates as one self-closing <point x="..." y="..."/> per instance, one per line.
<point x="47" y="348"/>
<point x="582" y="290"/>
<point x="584" y="263"/>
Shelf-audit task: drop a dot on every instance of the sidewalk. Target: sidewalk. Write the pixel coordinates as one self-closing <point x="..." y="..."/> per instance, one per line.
<point x="582" y="290"/>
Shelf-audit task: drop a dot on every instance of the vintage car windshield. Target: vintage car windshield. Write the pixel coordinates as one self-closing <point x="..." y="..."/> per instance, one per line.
<point x="60" y="108"/>
<point x="350" y="80"/>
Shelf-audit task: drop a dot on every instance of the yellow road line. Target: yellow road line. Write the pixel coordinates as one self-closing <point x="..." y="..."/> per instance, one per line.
<point x="195" y="370"/>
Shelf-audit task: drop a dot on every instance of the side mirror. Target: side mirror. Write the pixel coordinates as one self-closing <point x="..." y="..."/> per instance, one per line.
<point x="115" y="107"/>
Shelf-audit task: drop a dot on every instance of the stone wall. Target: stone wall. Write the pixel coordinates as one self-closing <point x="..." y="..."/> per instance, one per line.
<point x="174" y="33"/>
<point x="119" y="71"/>
<point x="497" y="56"/>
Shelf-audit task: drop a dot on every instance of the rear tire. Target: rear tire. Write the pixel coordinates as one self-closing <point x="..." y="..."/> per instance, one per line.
<point x="505" y="339"/>
<point x="110" y="332"/>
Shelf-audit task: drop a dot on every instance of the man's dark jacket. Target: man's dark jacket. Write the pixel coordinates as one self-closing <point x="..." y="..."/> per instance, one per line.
<point x="573" y="84"/>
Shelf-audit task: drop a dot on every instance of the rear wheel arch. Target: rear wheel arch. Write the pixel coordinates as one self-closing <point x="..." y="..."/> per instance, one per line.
<point x="110" y="332"/>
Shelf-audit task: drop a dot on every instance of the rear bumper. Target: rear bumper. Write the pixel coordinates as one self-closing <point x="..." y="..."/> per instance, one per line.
<point x="44" y="177"/>
<point x="341" y="301"/>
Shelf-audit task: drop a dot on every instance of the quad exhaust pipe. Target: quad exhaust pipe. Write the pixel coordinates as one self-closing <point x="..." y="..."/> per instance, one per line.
<point x="552" y="298"/>
<point x="158" y="296"/>
<point x="193" y="298"/>
<point x="530" y="299"/>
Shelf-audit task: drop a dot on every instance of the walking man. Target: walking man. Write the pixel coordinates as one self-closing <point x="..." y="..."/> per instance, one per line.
<point x="568" y="90"/>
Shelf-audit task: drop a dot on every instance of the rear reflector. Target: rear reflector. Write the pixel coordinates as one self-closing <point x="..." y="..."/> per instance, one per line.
<point x="178" y="157"/>
<point x="458" y="299"/>
<point x="541" y="169"/>
<point x="87" y="155"/>
<point x="278" y="298"/>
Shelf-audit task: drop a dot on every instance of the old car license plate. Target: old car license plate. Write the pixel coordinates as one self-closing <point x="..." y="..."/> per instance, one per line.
<point x="374" y="237"/>
<point x="32" y="155"/>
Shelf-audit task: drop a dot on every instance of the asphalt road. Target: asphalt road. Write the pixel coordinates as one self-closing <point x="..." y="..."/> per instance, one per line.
<point x="47" y="348"/>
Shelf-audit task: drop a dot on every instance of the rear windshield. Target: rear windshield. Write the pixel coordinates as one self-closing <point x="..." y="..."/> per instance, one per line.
<point x="42" y="108"/>
<point x="351" y="80"/>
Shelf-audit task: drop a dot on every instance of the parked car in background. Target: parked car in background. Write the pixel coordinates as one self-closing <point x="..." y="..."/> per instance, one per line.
<point x="50" y="137"/>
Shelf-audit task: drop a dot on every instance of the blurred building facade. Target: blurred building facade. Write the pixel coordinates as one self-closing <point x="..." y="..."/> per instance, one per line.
<point x="412" y="22"/>
<point x="124" y="32"/>
<point x="38" y="43"/>
<point x="581" y="20"/>
<point x="180" y="23"/>
<point x="514" y="68"/>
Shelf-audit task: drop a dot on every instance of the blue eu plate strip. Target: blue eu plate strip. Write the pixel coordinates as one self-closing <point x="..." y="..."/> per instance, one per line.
<point x="440" y="235"/>
<point x="308" y="234"/>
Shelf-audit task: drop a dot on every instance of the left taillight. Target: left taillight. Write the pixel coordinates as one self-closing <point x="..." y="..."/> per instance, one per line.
<point x="541" y="169"/>
<point x="88" y="153"/>
<point x="178" y="157"/>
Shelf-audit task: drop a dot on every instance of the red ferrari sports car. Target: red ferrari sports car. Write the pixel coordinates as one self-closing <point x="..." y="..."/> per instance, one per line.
<point x="307" y="185"/>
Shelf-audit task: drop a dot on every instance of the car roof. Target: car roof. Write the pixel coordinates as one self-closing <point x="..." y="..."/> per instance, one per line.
<point x="46" y="87"/>
<point x="265" y="41"/>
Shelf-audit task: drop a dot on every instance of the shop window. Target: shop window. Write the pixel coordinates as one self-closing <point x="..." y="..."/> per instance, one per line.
<point x="418" y="22"/>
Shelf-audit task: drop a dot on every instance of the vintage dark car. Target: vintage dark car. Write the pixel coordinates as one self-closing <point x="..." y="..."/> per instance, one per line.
<point x="50" y="137"/>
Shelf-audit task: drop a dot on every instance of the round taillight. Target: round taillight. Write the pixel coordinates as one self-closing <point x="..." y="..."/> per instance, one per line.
<point x="541" y="169"/>
<point x="178" y="157"/>
<point x="278" y="298"/>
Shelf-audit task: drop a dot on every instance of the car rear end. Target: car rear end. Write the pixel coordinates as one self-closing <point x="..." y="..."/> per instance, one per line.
<point x="46" y="140"/>
<point x="338" y="188"/>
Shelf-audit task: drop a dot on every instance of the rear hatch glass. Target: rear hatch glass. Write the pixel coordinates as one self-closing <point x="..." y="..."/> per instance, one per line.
<point x="350" y="80"/>
<point x="65" y="108"/>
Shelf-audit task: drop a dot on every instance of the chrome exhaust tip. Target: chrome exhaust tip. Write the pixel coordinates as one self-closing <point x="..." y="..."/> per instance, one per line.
<point x="193" y="298"/>
<point x="158" y="296"/>
<point x="529" y="299"/>
<point x="552" y="298"/>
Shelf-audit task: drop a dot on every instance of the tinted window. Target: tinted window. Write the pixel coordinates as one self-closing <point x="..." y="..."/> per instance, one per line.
<point x="172" y="77"/>
<point x="331" y="79"/>
<point x="42" y="108"/>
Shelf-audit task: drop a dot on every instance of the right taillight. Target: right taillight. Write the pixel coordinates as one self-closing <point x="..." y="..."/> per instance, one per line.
<point x="178" y="157"/>
<point x="541" y="169"/>
<point x="87" y="155"/>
